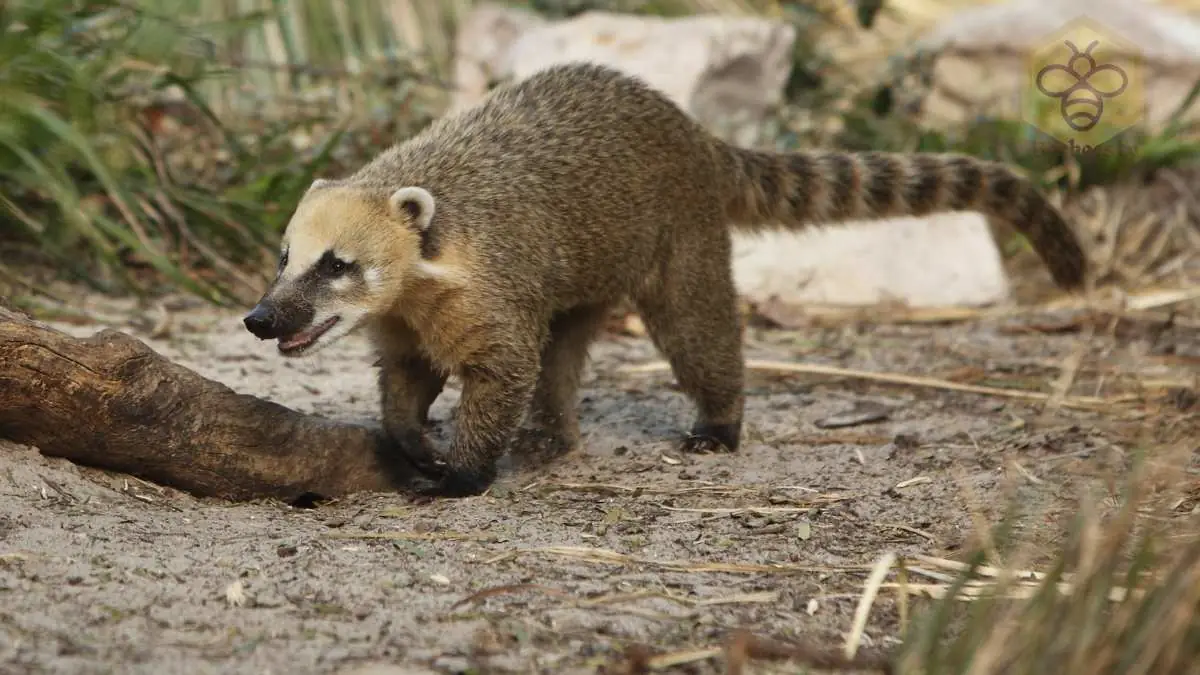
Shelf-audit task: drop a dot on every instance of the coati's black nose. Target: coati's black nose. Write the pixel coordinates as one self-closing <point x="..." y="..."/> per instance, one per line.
<point x="261" y="321"/>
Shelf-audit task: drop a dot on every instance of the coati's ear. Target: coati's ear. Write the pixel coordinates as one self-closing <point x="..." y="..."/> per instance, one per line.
<point x="414" y="202"/>
<point x="319" y="183"/>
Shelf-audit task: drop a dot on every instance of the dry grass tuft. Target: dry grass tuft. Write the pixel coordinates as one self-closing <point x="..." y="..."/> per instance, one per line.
<point x="1119" y="600"/>
<point x="1143" y="235"/>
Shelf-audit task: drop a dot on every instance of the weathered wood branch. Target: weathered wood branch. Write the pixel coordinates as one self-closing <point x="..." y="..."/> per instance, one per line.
<point x="109" y="401"/>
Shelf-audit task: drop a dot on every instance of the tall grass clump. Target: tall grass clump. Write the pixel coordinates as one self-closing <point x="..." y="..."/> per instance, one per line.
<point x="1121" y="598"/>
<point x="160" y="145"/>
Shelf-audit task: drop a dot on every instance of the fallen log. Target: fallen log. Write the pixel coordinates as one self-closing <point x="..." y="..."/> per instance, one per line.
<point x="111" y="402"/>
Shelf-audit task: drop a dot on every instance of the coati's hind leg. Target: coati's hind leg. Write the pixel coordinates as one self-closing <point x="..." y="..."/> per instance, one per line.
<point x="554" y="414"/>
<point x="691" y="316"/>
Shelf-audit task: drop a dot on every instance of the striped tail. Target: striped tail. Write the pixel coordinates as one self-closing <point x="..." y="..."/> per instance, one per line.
<point x="800" y="189"/>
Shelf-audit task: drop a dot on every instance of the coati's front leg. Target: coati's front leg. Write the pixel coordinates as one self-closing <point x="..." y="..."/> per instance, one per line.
<point x="497" y="388"/>
<point x="409" y="384"/>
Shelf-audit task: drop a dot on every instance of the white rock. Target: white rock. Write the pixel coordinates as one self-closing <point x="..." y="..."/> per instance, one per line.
<point x="1160" y="31"/>
<point x="485" y="39"/>
<point x="938" y="261"/>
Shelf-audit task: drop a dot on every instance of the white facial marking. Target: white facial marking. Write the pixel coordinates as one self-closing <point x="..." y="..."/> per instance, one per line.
<point x="340" y="284"/>
<point x="372" y="276"/>
<point x="444" y="273"/>
<point x="304" y="250"/>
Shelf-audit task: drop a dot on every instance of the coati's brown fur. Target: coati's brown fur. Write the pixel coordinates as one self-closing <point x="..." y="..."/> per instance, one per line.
<point x="559" y="196"/>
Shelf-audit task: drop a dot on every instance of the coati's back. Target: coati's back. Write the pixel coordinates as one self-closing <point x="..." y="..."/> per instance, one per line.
<point x="572" y="176"/>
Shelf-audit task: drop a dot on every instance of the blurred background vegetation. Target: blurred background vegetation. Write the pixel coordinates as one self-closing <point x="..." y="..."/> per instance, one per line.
<point x="150" y="145"/>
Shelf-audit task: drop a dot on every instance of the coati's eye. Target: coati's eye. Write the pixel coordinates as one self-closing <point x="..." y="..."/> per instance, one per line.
<point x="333" y="266"/>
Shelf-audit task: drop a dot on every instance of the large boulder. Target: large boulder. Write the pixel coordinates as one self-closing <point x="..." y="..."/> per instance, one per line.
<point x="727" y="71"/>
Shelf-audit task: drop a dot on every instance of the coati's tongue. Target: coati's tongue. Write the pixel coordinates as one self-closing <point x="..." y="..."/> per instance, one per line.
<point x="301" y="339"/>
<point x="307" y="336"/>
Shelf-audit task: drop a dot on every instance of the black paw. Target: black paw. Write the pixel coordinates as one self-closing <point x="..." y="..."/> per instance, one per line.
<point x="417" y="468"/>
<point x="405" y="457"/>
<point x="717" y="438"/>
<point x="437" y="479"/>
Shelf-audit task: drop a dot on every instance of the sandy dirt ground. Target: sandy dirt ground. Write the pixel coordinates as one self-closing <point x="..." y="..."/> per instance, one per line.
<point x="624" y="542"/>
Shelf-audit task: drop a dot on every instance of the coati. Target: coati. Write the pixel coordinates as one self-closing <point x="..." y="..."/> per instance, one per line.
<point x="491" y="245"/>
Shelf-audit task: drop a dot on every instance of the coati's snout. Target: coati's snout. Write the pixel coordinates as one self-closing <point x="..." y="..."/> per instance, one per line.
<point x="291" y="323"/>
<point x="288" y="320"/>
<point x="302" y="307"/>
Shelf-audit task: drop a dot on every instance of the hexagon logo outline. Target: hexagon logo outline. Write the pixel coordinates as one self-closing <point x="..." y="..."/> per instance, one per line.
<point x="1086" y="84"/>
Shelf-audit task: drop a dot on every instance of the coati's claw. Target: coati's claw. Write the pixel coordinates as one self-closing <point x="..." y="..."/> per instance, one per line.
<point x="703" y="445"/>
<point x="435" y="477"/>
<point x="706" y="439"/>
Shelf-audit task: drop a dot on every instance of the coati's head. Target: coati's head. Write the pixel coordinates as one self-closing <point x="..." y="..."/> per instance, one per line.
<point x="347" y="253"/>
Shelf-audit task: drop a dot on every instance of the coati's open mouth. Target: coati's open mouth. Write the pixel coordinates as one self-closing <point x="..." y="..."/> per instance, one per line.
<point x="306" y="338"/>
